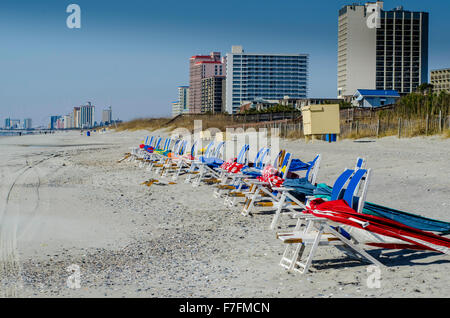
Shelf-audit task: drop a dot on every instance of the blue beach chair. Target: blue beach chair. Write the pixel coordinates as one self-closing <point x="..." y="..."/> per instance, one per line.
<point x="322" y="232"/>
<point x="295" y="193"/>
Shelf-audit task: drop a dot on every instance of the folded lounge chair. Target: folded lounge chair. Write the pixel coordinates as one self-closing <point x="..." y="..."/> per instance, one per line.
<point x="295" y="193"/>
<point x="344" y="218"/>
<point x="224" y="173"/>
<point x="174" y="159"/>
<point x="320" y="232"/>
<point x="194" y="164"/>
<point x="185" y="161"/>
<point x="167" y="163"/>
<point x="268" y="191"/>
<point x="159" y="155"/>
<point x="247" y="172"/>
<point x="208" y="165"/>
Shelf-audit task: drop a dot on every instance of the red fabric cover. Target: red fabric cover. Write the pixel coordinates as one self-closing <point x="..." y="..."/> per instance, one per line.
<point x="227" y="163"/>
<point x="269" y="175"/>
<point x="235" y="167"/>
<point x="339" y="211"/>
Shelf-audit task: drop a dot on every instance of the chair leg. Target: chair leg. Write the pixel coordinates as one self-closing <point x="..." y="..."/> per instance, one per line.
<point x="233" y="200"/>
<point x="197" y="179"/>
<point x="277" y="213"/>
<point x="312" y="252"/>
<point x="190" y="173"/>
<point x="177" y="173"/>
<point x="246" y="211"/>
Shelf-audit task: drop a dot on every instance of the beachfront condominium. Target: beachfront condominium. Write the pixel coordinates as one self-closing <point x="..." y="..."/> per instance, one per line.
<point x="76" y="117"/>
<point x="200" y="67"/>
<point x="440" y="79"/>
<point x="68" y="121"/>
<point x="383" y="50"/>
<point x="183" y="99"/>
<point x="107" y="115"/>
<point x="7" y="123"/>
<point x="212" y="94"/>
<point x="181" y="106"/>
<point x="253" y="76"/>
<point x="27" y="123"/>
<point x="53" y="122"/>
<point x="176" y="108"/>
<point x="87" y="116"/>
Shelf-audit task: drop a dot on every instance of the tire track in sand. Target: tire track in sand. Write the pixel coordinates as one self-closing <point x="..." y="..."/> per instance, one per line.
<point x="22" y="197"/>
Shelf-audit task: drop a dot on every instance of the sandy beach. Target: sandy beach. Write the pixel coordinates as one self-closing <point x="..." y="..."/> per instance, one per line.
<point x="65" y="200"/>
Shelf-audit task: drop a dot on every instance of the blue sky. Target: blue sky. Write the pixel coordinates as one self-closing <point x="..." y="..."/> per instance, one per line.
<point x="133" y="54"/>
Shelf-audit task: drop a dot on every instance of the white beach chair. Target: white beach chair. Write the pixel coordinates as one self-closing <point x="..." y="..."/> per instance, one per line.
<point x="287" y="201"/>
<point x="322" y="232"/>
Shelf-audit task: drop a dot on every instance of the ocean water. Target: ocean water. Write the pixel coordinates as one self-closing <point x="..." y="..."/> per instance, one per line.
<point x="14" y="133"/>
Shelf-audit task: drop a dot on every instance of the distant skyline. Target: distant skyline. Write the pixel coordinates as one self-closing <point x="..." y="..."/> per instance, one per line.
<point x="132" y="55"/>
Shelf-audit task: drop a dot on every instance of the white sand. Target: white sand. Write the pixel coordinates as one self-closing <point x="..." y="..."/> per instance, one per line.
<point x="79" y="206"/>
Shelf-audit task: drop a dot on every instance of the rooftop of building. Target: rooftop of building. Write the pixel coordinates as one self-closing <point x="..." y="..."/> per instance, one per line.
<point x="396" y="9"/>
<point x="441" y="70"/>
<point x="208" y="62"/>
<point x="377" y="92"/>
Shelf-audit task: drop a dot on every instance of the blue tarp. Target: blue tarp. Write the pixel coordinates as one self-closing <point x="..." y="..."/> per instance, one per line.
<point x="298" y="165"/>
<point x="301" y="185"/>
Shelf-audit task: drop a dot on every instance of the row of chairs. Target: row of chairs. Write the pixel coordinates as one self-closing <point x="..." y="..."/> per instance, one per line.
<point x="276" y="183"/>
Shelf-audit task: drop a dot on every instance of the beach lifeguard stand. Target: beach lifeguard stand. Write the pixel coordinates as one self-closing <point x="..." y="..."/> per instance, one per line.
<point x="320" y="120"/>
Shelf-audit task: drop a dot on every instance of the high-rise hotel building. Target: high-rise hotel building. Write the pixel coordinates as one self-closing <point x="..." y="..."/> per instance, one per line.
<point x="268" y="76"/>
<point x="87" y="116"/>
<point x="181" y="106"/>
<point x="200" y="67"/>
<point x="383" y="50"/>
<point x="107" y="115"/>
<point x="212" y="94"/>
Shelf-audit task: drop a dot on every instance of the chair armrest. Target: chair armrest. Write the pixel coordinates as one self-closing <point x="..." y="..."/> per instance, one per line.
<point x="282" y="189"/>
<point x="255" y="182"/>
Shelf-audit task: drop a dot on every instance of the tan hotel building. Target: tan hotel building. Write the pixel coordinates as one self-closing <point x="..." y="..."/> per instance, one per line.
<point x="440" y="80"/>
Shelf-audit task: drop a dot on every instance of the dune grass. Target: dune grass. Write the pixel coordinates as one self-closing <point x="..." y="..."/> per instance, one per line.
<point x="221" y="122"/>
<point x="361" y="129"/>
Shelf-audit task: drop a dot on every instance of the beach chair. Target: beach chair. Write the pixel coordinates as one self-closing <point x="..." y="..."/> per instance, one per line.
<point x="146" y="154"/>
<point x="135" y="152"/>
<point x="174" y="159"/>
<point x="290" y="199"/>
<point x="264" y="194"/>
<point x="166" y="156"/>
<point x="346" y="217"/>
<point x="233" y="176"/>
<point x="159" y="155"/>
<point x="224" y="174"/>
<point x="249" y="172"/>
<point x="319" y="231"/>
<point x="208" y="165"/>
<point x="185" y="161"/>
<point x="196" y="162"/>
<point x="261" y="189"/>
